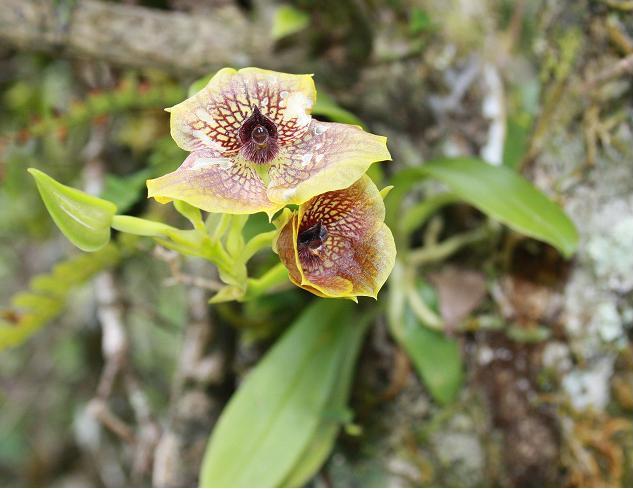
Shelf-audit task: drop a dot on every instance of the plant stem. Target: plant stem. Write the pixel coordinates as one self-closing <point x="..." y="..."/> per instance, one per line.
<point x="425" y="314"/>
<point x="257" y="243"/>
<point x="443" y="250"/>
<point x="417" y="215"/>
<point x="272" y="279"/>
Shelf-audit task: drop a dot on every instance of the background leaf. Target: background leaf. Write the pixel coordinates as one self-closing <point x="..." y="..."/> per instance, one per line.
<point x="288" y="20"/>
<point x="437" y="358"/>
<point x="322" y="443"/>
<point x="273" y="418"/>
<point x="84" y="219"/>
<point x="502" y="194"/>
<point x="326" y="106"/>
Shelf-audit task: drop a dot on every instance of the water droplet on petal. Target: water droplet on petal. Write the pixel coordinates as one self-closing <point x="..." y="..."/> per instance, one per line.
<point x="306" y="158"/>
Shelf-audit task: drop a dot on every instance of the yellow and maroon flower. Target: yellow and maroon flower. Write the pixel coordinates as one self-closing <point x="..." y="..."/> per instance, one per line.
<point x="337" y="244"/>
<point x="254" y="146"/>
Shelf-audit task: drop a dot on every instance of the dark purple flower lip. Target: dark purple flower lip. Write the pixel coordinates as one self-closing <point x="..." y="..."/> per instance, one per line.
<point x="312" y="238"/>
<point x="258" y="136"/>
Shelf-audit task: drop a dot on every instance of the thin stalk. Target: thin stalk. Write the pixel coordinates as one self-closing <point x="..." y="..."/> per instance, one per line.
<point x="422" y="311"/>
<point x="272" y="279"/>
<point x="425" y="314"/>
<point x="441" y="251"/>
<point x="418" y="214"/>
<point x="256" y="243"/>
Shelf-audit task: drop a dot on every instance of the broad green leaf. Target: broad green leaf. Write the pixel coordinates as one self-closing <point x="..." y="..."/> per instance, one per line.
<point x="436" y="358"/>
<point x="273" y="418"/>
<point x="84" y="219"/>
<point x="326" y="106"/>
<point x="288" y="20"/>
<point x="499" y="192"/>
<point x="509" y="198"/>
<point x="321" y="445"/>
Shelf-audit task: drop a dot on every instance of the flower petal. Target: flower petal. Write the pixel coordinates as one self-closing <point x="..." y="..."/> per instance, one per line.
<point x="214" y="183"/>
<point x="284" y="246"/>
<point x="211" y="118"/>
<point x="329" y="156"/>
<point x="358" y="253"/>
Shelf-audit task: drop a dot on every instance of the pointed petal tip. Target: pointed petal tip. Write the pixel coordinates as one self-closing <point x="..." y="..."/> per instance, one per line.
<point x="385" y="191"/>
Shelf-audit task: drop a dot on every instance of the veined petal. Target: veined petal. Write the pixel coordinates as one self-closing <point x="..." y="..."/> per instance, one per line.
<point x="357" y="251"/>
<point x="329" y="156"/>
<point x="214" y="183"/>
<point x="284" y="246"/>
<point x="211" y="118"/>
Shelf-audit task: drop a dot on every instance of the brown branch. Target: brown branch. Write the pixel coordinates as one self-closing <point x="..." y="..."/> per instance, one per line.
<point x="193" y="408"/>
<point x="174" y="262"/>
<point x="135" y="36"/>
<point x="623" y="67"/>
<point x="115" y="344"/>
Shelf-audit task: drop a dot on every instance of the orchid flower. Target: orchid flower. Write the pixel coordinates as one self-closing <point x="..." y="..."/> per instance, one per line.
<point x="254" y="146"/>
<point x="337" y="244"/>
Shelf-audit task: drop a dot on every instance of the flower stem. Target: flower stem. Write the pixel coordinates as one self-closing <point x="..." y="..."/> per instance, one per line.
<point x="446" y="248"/>
<point x="257" y="243"/>
<point x="423" y="311"/>
<point x="418" y="214"/>
<point x="271" y="280"/>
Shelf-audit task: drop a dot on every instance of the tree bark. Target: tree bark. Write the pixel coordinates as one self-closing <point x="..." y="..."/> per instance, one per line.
<point x="135" y="36"/>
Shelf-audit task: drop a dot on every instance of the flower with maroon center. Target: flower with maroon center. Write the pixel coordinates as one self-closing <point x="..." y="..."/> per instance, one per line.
<point x="254" y="146"/>
<point x="337" y="244"/>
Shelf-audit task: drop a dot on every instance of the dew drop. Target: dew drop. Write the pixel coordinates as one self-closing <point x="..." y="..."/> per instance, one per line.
<point x="306" y="158"/>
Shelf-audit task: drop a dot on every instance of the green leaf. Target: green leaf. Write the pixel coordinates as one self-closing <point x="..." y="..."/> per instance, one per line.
<point x="276" y="414"/>
<point x="436" y="358"/>
<point x="326" y="106"/>
<point x="419" y="21"/>
<point x="199" y="84"/>
<point x="502" y="194"/>
<point x="321" y="445"/>
<point x="288" y="20"/>
<point x="84" y="219"/>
